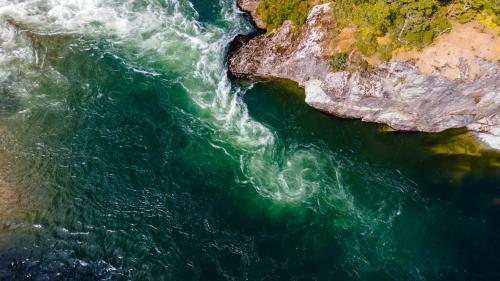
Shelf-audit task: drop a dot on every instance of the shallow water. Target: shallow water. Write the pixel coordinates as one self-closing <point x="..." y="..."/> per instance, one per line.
<point x="127" y="154"/>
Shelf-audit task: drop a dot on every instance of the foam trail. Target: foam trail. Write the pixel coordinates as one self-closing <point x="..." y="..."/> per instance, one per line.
<point x="169" y="33"/>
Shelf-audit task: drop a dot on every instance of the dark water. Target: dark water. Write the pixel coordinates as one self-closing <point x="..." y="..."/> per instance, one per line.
<point x="127" y="154"/>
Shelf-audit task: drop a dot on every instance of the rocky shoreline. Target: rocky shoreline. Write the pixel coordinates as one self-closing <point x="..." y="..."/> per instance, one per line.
<point x="396" y="93"/>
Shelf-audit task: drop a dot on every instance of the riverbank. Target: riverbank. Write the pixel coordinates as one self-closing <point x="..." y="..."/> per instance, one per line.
<point x="127" y="154"/>
<point x="443" y="86"/>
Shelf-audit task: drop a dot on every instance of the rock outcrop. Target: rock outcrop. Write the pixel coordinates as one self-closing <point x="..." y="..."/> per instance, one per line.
<point x="250" y="6"/>
<point x="396" y="93"/>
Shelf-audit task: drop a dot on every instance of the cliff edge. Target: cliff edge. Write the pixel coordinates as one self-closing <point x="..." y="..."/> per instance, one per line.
<point x="452" y="83"/>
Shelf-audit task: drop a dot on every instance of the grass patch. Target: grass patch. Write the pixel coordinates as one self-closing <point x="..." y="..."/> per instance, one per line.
<point x="338" y="62"/>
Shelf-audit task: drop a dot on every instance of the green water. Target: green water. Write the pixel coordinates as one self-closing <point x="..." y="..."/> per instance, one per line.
<point x="127" y="154"/>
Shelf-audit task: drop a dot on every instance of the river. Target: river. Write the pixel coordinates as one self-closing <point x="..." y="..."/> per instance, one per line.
<point x="126" y="153"/>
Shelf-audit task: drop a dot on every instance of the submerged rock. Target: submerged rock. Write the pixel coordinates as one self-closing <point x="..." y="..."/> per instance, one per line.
<point x="397" y="93"/>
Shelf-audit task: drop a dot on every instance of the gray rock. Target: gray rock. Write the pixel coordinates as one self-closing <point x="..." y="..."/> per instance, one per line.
<point x="250" y="6"/>
<point x="396" y="93"/>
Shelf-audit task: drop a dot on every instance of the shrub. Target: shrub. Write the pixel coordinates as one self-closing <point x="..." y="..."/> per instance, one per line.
<point x="413" y="23"/>
<point x="279" y="49"/>
<point x="338" y="61"/>
<point x="275" y="12"/>
<point x="385" y="51"/>
<point x="410" y="23"/>
<point x="366" y="41"/>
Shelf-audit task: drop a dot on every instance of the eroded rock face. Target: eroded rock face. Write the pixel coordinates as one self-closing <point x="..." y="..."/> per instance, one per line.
<point x="397" y="93"/>
<point x="279" y="54"/>
<point x="251" y="6"/>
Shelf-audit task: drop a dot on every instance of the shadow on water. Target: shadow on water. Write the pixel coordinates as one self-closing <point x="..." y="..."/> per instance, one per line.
<point x="455" y="220"/>
<point x="434" y="160"/>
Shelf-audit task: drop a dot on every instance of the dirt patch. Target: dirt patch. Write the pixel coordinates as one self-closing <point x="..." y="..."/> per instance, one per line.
<point x="342" y="43"/>
<point x="454" y="55"/>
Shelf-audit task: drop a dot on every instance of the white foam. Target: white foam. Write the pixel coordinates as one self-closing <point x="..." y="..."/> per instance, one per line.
<point x="174" y="37"/>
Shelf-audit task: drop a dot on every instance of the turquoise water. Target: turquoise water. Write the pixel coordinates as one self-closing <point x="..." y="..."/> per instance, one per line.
<point x="127" y="154"/>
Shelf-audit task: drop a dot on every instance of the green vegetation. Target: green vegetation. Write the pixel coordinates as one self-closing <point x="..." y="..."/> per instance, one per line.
<point x="412" y="23"/>
<point x="275" y="12"/>
<point x="384" y="25"/>
<point x="338" y="62"/>
<point x="280" y="49"/>
<point x="348" y="62"/>
<point x="466" y="10"/>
